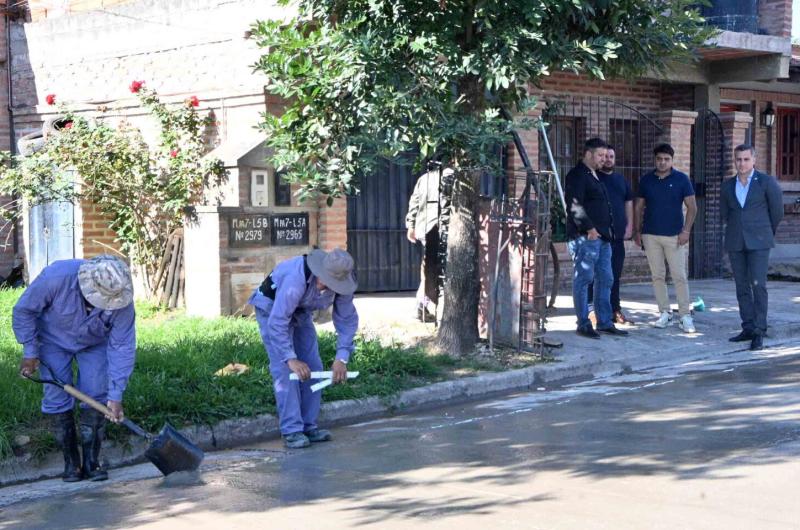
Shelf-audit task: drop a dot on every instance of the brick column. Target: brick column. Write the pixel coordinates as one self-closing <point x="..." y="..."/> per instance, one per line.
<point x="734" y="126"/>
<point x="677" y="131"/>
<point x="332" y="224"/>
<point x="775" y="17"/>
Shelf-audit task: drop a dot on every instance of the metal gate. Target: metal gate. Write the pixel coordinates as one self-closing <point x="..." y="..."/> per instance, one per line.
<point x="376" y="234"/>
<point x="708" y="166"/>
<point x="51" y="234"/>
<point x="572" y="120"/>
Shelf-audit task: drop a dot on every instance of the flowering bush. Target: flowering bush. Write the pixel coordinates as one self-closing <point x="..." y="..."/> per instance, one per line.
<point x="144" y="190"/>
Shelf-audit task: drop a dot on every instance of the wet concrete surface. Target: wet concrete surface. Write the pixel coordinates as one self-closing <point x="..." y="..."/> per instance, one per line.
<point x="709" y="444"/>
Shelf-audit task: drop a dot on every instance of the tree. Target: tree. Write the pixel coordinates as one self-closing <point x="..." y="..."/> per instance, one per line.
<point x="143" y="190"/>
<point x="370" y="78"/>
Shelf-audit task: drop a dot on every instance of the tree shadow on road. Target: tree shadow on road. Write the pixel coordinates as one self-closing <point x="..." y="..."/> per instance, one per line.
<point x="482" y="459"/>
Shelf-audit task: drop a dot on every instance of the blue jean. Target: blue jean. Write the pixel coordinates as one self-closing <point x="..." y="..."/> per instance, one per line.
<point x="592" y="263"/>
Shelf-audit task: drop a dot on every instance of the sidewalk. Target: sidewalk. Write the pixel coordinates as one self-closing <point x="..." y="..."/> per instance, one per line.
<point x="392" y="315"/>
<point x="648" y="346"/>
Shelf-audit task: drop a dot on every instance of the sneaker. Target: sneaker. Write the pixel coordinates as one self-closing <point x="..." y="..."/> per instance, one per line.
<point x="296" y="440"/>
<point x="686" y="324"/>
<point x="319" y="435"/>
<point x="663" y="321"/>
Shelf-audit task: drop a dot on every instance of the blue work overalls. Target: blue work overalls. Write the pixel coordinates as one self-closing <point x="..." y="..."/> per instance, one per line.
<point x="288" y="332"/>
<point x="52" y="323"/>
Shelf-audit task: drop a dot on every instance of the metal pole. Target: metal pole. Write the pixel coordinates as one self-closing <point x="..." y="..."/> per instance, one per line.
<point x="554" y="166"/>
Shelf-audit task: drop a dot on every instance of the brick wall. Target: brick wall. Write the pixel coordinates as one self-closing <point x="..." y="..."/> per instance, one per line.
<point x="677" y="97"/>
<point x="332" y="222"/>
<point x="643" y="94"/>
<point x="93" y="232"/>
<point x="775" y="17"/>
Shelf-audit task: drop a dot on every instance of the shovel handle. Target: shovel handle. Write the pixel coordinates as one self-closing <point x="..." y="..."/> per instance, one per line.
<point x="80" y="396"/>
<point x="96" y="405"/>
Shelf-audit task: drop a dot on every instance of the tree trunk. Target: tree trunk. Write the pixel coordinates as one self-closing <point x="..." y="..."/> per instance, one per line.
<point x="458" y="331"/>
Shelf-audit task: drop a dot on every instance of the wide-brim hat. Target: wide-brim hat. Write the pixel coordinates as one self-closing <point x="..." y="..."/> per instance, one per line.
<point x="334" y="269"/>
<point x="105" y="282"/>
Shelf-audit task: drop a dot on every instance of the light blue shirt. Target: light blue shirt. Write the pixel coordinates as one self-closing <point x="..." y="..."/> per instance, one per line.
<point x="741" y="191"/>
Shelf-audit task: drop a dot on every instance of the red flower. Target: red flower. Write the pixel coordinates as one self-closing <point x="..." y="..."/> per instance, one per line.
<point x="173" y="153"/>
<point x="68" y="125"/>
<point x="50" y="99"/>
<point x="136" y="86"/>
<point x="193" y="101"/>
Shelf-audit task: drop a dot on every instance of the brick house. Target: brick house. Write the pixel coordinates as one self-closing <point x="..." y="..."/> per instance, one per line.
<point x="88" y="51"/>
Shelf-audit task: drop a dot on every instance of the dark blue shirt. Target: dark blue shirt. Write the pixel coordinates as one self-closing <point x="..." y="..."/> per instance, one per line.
<point x="663" y="209"/>
<point x="619" y="192"/>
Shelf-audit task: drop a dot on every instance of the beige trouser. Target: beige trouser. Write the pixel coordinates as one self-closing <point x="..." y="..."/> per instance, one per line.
<point x="665" y="248"/>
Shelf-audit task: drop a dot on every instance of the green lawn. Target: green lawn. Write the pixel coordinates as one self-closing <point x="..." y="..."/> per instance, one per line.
<point x="174" y="376"/>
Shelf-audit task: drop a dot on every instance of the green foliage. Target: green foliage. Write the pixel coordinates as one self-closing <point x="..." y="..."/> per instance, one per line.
<point x="370" y="78"/>
<point x="143" y="190"/>
<point x="174" y="380"/>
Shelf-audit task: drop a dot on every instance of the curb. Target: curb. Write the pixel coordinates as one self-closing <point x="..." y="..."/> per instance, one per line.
<point x="237" y="432"/>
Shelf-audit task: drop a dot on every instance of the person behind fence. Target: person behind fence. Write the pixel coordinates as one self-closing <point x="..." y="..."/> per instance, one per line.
<point x="79" y="310"/>
<point x="621" y="198"/>
<point x="422" y="225"/>
<point x="590" y="232"/>
<point x="665" y="233"/>
<point x="752" y="208"/>
<point x="284" y="304"/>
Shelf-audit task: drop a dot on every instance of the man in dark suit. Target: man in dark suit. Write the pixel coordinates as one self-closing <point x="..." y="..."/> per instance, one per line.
<point x="752" y="207"/>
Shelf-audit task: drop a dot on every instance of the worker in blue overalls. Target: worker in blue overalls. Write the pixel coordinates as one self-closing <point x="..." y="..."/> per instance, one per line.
<point x="79" y="310"/>
<point x="283" y="306"/>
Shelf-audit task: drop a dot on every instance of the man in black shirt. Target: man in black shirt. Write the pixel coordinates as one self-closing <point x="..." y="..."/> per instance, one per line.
<point x="620" y="196"/>
<point x="590" y="232"/>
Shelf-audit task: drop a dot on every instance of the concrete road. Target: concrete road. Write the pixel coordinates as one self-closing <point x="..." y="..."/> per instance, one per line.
<point x="714" y="444"/>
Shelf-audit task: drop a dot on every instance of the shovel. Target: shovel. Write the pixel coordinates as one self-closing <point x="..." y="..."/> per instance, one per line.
<point x="170" y="451"/>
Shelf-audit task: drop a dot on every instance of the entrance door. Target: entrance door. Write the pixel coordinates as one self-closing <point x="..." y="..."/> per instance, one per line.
<point x="51" y="235"/>
<point x="376" y="232"/>
<point x="788" y="144"/>
<point x="707" y="172"/>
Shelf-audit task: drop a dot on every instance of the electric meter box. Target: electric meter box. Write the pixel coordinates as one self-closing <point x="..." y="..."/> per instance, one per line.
<point x="259" y="188"/>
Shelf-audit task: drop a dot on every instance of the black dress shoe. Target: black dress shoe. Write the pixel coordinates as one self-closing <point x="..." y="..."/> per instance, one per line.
<point x="757" y="343"/>
<point x="743" y="336"/>
<point x="588" y="332"/>
<point x="613" y="331"/>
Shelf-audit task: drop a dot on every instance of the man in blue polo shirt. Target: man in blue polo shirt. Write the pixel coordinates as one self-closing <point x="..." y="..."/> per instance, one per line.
<point x="620" y="197"/>
<point x="663" y="193"/>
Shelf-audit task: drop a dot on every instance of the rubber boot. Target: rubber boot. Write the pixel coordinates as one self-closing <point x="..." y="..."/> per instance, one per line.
<point x="63" y="428"/>
<point x="93" y="428"/>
